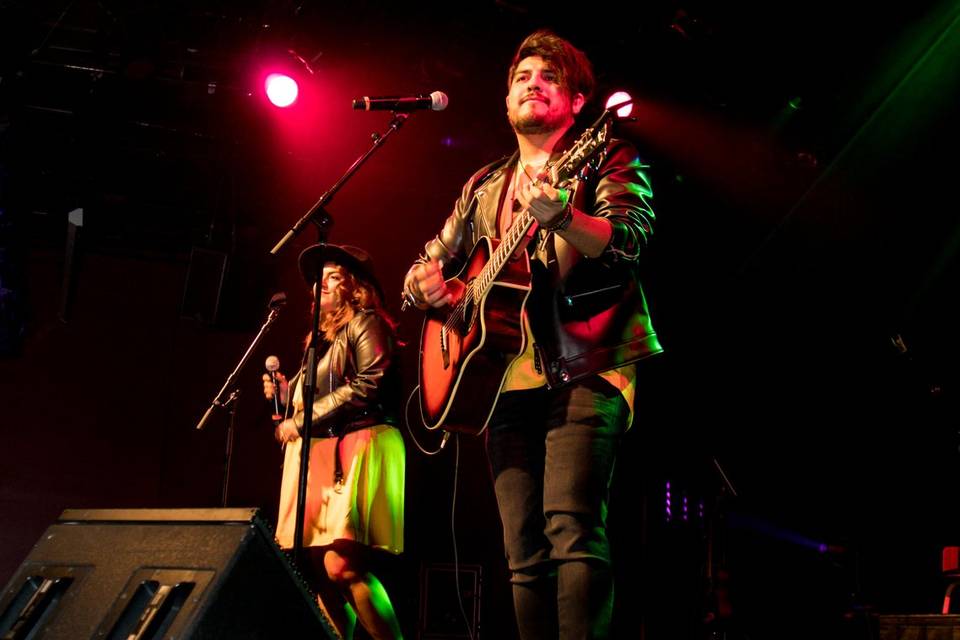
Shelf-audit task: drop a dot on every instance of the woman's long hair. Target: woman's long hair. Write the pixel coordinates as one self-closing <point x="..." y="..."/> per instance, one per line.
<point x="355" y="295"/>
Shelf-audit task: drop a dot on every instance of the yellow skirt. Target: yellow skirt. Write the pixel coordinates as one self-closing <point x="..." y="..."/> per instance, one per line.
<point x="368" y="508"/>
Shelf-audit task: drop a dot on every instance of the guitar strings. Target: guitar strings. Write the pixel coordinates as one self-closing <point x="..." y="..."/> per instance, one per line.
<point x="498" y="254"/>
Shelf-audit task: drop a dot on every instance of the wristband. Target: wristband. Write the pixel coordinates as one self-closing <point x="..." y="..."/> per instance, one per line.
<point x="561" y="222"/>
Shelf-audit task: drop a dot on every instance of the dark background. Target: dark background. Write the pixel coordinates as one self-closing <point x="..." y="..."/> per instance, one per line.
<point x="802" y="277"/>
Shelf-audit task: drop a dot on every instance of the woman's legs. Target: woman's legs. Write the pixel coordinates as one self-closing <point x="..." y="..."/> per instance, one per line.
<point x="346" y="567"/>
<point x="331" y="601"/>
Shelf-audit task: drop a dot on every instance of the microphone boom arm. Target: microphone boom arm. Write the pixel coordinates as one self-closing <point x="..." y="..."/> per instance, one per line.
<point x="317" y="214"/>
<point x="224" y="397"/>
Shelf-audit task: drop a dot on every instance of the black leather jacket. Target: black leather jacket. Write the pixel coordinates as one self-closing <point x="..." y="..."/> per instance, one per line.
<point x="357" y="380"/>
<point x="587" y="315"/>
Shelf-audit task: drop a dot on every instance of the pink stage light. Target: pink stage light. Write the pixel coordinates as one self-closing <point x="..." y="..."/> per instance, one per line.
<point x="281" y="89"/>
<point x="617" y="98"/>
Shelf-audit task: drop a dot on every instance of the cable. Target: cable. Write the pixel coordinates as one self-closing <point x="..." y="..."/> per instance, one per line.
<point x="453" y="533"/>
<point x="406" y="421"/>
<point x="453" y="506"/>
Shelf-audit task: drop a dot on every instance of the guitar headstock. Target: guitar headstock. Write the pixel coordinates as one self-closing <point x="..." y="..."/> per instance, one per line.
<point x="586" y="147"/>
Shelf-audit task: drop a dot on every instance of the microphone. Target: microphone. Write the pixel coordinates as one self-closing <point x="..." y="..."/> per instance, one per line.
<point x="273" y="365"/>
<point x="437" y="101"/>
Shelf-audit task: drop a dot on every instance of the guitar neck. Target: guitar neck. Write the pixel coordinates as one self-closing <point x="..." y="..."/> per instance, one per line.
<point x="508" y="245"/>
<point x="588" y="144"/>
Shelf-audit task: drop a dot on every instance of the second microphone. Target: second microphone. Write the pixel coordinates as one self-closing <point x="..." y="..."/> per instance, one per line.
<point x="436" y="101"/>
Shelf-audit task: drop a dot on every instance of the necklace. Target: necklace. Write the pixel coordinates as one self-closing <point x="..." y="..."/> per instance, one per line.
<point x="516" y="183"/>
<point x="525" y="172"/>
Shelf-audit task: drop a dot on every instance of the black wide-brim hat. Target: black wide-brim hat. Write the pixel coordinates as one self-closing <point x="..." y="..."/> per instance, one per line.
<point x="354" y="259"/>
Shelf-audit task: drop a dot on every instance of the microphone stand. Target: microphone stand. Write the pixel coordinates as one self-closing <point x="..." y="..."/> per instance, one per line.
<point x="317" y="214"/>
<point x="227" y="396"/>
<point x="317" y="209"/>
<point x="309" y="395"/>
<point x="716" y="578"/>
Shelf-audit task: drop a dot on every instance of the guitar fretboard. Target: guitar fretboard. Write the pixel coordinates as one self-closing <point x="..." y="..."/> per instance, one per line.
<point x="506" y="248"/>
<point x="569" y="164"/>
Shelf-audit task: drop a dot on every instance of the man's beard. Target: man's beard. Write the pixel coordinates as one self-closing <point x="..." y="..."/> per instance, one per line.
<point x="532" y="124"/>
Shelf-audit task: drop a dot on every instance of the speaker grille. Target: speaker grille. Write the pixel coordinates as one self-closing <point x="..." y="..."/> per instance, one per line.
<point x="210" y="573"/>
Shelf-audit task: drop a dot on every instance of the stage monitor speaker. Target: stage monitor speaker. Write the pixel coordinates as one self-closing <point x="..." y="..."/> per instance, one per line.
<point x="139" y="574"/>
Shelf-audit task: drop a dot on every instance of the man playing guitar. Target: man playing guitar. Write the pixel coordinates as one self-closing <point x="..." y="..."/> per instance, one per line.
<point x="572" y="333"/>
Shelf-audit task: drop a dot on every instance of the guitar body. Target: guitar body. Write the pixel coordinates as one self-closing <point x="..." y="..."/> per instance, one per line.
<point x="467" y="346"/>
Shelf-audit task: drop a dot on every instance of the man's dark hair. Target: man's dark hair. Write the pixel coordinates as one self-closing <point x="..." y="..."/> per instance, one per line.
<point x="573" y="68"/>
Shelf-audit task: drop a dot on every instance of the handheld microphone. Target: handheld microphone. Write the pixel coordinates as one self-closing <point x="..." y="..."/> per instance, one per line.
<point x="273" y="365"/>
<point x="437" y="101"/>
